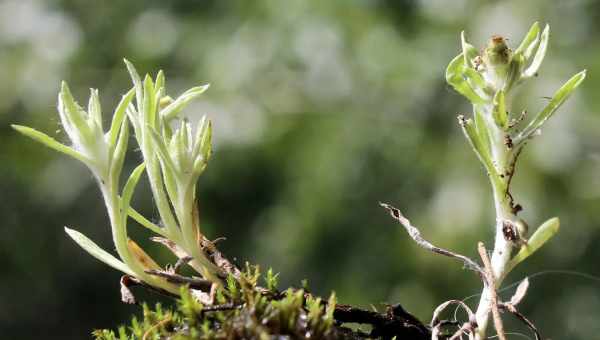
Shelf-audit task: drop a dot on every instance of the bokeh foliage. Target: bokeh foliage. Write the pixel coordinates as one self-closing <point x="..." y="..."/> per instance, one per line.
<point x="320" y="110"/>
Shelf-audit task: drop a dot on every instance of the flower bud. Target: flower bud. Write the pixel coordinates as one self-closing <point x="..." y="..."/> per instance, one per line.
<point x="497" y="53"/>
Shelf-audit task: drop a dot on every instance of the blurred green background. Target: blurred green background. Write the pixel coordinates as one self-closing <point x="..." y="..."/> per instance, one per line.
<point x="321" y="109"/>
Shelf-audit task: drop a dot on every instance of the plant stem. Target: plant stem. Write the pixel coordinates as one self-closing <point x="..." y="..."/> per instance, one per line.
<point x="503" y="158"/>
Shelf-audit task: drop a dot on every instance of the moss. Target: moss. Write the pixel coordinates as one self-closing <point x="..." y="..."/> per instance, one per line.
<point x="242" y="310"/>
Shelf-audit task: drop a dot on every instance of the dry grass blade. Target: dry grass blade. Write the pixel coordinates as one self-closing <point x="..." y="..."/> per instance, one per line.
<point x="520" y="292"/>
<point x="415" y="234"/>
<point x="436" y="323"/>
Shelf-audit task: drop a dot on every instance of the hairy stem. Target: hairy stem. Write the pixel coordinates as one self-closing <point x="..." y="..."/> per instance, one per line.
<point x="500" y="178"/>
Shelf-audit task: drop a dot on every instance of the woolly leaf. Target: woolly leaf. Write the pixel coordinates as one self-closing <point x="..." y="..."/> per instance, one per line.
<point x="118" y="117"/>
<point x="181" y="102"/>
<point x="50" y="142"/>
<point x="129" y="188"/>
<point x="97" y="252"/>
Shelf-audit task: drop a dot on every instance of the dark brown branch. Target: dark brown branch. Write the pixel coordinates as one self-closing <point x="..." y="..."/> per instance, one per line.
<point x="395" y="322"/>
<point x="511" y="309"/>
<point x="194" y="283"/>
<point x="514" y="301"/>
<point x="128" y="281"/>
<point x="415" y="234"/>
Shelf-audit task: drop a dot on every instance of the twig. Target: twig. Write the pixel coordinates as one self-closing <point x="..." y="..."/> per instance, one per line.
<point x="436" y="324"/>
<point x="128" y="281"/>
<point x="395" y="322"/>
<point x="219" y="308"/>
<point x="415" y="234"/>
<point x="491" y="283"/>
<point x="195" y="283"/>
<point x="514" y="301"/>
<point x="180" y="262"/>
<point x="522" y="317"/>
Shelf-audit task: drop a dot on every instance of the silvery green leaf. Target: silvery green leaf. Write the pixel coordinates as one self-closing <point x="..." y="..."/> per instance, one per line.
<point x="51" y="143"/>
<point x="470" y="132"/>
<point x="73" y="117"/>
<point x="160" y="80"/>
<point x="139" y="218"/>
<point x="175" y="150"/>
<point x="544" y="233"/>
<point x="128" y="190"/>
<point x="469" y="51"/>
<point x="455" y="77"/>
<point x="167" y="131"/>
<point x="97" y="252"/>
<point x="539" y="54"/>
<point x="181" y="102"/>
<point x="201" y="130"/>
<point x="482" y="131"/>
<point x="500" y="114"/>
<point x="206" y="142"/>
<point x="162" y="151"/>
<point x="514" y="73"/>
<point x="476" y="82"/>
<point x="118" y="117"/>
<point x="557" y="100"/>
<point x="530" y="42"/>
<point x="149" y="107"/>
<point x="94" y="108"/>
<point x="118" y="157"/>
<point x="170" y="183"/>
<point x="137" y="82"/>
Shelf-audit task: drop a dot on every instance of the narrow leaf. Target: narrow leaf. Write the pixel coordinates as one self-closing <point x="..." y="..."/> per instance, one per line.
<point x="455" y="77"/>
<point x="500" y="114"/>
<point x="72" y="112"/>
<point x="129" y="188"/>
<point x="118" y="156"/>
<point x="206" y="142"/>
<point x="142" y="258"/>
<point x="149" y="107"/>
<point x="97" y="252"/>
<point x="118" y="117"/>
<point x="530" y="41"/>
<point x="544" y="233"/>
<point x="470" y="132"/>
<point x="163" y="152"/>
<point x="139" y="218"/>
<point x="483" y="132"/>
<point x="476" y="82"/>
<point x="181" y="102"/>
<point x="160" y="80"/>
<point x="539" y="54"/>
<point x="469" y="51"/>
<point x="557" y="100"/>
<point x="94" y="108"/>
<point x="51" y="143"/>
<point x="137" y="82"/>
